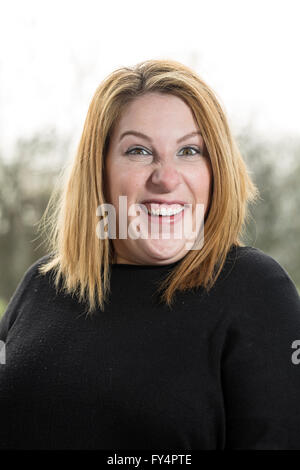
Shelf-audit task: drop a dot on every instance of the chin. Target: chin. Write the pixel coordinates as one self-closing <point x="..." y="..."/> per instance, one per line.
<point x="165" y="249"/>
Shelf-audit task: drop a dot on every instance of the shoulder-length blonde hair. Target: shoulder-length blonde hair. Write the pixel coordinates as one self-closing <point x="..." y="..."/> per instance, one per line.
<point x="78" y="256"/>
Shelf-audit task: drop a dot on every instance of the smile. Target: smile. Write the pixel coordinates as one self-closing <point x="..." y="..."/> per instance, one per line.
<point x="163" y="213"/>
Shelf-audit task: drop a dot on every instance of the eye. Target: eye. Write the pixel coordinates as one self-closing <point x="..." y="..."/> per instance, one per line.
<point x="196" y="150"/>
<point x="129" y="151"/>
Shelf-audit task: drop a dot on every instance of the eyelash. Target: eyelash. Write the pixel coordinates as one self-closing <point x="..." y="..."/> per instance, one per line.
<point x="141" y="148"/>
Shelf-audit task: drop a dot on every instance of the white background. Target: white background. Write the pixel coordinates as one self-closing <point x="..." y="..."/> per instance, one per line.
<point x="55" y="53"/>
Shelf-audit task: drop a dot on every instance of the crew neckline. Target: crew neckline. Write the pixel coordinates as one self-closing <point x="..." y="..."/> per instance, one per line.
<point x="165" y="266"/>
<point x="144" y="266"/>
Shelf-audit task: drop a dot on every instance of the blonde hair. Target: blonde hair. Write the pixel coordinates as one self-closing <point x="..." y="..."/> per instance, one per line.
<point x="78" y="257"/>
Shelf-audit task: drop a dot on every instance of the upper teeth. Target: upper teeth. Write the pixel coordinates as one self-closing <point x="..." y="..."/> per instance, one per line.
<point x="165" y="211"/>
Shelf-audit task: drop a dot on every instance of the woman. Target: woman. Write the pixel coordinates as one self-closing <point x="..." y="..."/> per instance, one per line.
<point x="151" y="342"/>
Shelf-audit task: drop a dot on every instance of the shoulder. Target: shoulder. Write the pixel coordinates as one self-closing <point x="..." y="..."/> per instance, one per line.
<point x="32" y="272"/>
<point x="28" y="286"/>
<point x="262" y="303"/>
<point x="252" y="265"/>
<point x="253" y="281"/>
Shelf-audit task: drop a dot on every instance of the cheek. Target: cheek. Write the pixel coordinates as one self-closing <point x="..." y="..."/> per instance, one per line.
<point x="124" y="181"/>
<point x="199" y="180"/>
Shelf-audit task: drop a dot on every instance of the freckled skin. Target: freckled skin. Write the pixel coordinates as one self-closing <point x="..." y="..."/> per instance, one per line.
<point x="162" y="170"/>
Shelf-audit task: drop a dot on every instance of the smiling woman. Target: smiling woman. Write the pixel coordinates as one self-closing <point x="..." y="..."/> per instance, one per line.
<point x="162" y="174"/>
<point x="95" y="358"/>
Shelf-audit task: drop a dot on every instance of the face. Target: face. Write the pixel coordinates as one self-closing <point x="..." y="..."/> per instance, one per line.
<point x="162" y="171"/>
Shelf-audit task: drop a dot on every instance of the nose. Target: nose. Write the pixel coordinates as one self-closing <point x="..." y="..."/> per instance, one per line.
<point x="166" y="177"/>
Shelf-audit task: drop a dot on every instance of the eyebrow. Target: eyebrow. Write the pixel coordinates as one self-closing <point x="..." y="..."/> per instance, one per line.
<point x="139" y="134"/>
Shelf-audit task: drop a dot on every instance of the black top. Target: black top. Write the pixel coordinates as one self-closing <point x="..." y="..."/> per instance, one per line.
<point x="218" y="371"/>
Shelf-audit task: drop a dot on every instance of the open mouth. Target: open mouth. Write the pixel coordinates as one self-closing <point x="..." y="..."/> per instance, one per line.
<point x="163" y="213"/>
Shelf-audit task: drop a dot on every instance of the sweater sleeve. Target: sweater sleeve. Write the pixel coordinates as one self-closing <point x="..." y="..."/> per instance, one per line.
<point x="261" y="363"/>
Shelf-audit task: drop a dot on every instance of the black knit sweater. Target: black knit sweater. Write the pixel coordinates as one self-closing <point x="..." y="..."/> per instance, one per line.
<point x="218" y="371"/>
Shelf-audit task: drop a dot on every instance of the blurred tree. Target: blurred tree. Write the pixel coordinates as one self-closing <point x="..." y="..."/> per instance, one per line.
<point x="275" y="168"/>
<point x="26" y="182"/>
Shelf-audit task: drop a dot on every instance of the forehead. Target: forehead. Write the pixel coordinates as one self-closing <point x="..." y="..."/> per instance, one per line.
<point x="156" y="110"/>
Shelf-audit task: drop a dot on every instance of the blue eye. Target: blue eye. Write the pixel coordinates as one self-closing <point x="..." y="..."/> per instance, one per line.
<point x="128" y="152"/>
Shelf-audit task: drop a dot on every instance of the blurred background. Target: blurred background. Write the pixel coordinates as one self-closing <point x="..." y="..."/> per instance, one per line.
<point x="54" y="54"/>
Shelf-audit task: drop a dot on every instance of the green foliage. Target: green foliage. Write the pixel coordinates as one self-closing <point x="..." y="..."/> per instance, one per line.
<point x="275" y="228"/>
<point x="26" y="182"/>
<point x="3" y="306"/>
